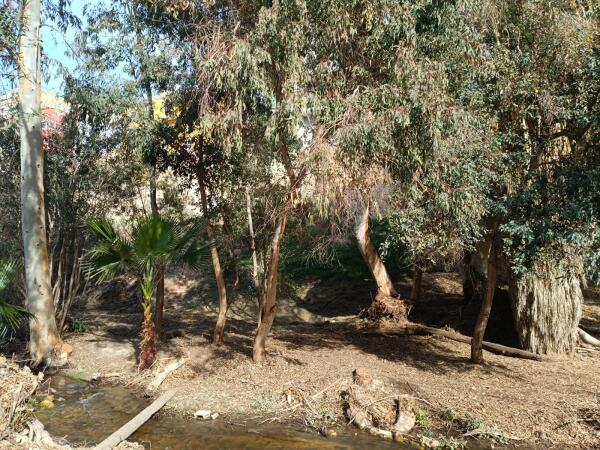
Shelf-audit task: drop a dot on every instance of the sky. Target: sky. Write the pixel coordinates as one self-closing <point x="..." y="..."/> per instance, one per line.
<point x="56" y="46"/>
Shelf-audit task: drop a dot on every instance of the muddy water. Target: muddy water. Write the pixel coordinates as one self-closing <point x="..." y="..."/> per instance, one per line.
<point x="84" y="414"/>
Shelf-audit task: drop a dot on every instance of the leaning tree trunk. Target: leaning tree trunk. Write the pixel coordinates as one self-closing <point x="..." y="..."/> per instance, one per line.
<point x="486" y="306"/>
<point x="547" y="309"/>
<point x="44" y="337"/>
<point x="386" y="303"/>
<point x="371" y="257"/>
<point x="216" y="262"/>
<point x="270" y="305"/>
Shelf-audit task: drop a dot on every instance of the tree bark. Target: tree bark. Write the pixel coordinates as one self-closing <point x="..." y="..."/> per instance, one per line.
<point x="255" y="278"/>
<point x="231" y="249"/>
<point x="385" y="286"/>
<point x="486" y="306"/>
<point x="159" y="302"/>
<point x="415" y="294"/>
<point x="214" y="254"/>
<point x="44" y="337"/>
<point x="547" y="307"/>
<point x="270" y="306"/>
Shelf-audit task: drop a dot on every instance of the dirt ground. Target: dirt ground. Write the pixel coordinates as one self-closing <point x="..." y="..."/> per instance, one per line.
<point x="316" y="344"/>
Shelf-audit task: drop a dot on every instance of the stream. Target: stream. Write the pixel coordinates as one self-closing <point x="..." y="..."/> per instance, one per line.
<point x="84" y="414"/>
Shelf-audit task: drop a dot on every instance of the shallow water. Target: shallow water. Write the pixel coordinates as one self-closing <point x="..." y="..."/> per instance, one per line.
<point x="89" y="414"/>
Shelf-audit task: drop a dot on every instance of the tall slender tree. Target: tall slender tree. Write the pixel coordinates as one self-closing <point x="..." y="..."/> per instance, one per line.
<point x="44" y="337"/>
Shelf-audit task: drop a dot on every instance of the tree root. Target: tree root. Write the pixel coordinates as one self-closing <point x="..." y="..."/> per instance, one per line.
<point x="588" y="338"/>
<point x="415" y="328"/>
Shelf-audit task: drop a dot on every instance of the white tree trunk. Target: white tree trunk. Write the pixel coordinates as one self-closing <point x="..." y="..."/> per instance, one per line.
<point x="44" y="336"/>
<point x="371" y="256"/>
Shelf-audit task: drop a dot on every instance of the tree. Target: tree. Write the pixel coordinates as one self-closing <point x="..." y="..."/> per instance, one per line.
<point x="44" y="337"/>
<point x="153" y="242"/>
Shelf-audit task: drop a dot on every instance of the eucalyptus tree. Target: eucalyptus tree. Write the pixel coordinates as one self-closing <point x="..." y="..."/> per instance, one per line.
<point x="44" y="337"/>
<point x="532" y="67"/>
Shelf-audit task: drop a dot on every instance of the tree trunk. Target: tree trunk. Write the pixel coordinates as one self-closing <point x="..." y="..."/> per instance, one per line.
<point x="547" y="309"/>
<point x="486" y="306"/>
<point x="415" y="294"/>
<point x="148" y="344"/>
<point x="152" y="156"/>
<point x="214" y="254"/>
<point x="231" y="249"/>
<point x="269" y="307"/>
<point x="160" y="302"/>
<point x="44" y="337"/>
<point x="255" y="278"/>
<point x="371" y="256"/>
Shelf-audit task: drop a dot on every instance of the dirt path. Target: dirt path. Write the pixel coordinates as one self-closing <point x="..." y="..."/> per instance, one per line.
<point x="309" y="351"/>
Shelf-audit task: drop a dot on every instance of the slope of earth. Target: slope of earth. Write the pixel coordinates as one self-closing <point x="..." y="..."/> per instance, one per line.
<point x="316" y="344"/>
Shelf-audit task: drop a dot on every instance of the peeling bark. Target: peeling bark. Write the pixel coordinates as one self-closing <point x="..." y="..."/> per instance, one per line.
<point x="385" y="286"/>
<point x="547" y="309"/>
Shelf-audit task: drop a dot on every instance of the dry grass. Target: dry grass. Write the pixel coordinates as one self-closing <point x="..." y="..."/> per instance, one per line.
<point x="17" y="384"/>
<point x="543" y="402"/>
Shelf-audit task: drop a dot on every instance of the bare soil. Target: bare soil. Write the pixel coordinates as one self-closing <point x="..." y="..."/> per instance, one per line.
<point x="317" y="342"/>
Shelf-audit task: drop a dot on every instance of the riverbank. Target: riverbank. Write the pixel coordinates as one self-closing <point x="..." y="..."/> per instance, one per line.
<point x="317" y="344"/>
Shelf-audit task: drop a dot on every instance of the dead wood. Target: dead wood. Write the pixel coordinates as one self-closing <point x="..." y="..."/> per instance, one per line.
<point x="163" y="374"/>
<point x="588" y="338"/>
<point x="415" y="328"/>
<point x="131" y="427"/>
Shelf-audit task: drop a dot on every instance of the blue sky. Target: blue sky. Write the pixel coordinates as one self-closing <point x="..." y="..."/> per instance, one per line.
<point x="56" y="46"/>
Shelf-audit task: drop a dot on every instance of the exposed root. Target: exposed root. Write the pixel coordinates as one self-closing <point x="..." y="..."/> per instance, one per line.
<point x="387" y="308"/>
<point x="587" y="338"/>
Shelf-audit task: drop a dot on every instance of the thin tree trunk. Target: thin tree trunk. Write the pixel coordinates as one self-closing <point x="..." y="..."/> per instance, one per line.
<point x="371" y="256"/>
<point x="231" y="249"/>
<point x="214" y="254"/>
<point x="152" y="162"/>
<point x="255" y="278"/>
<point x="486" y="306"/>
<point x="270" y="305"/>
<point x="160" y="302"/>
<point x="415" y="294"/>
<point x="44" y="337"/>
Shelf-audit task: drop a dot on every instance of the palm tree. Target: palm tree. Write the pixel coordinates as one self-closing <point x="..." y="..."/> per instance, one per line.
<point x="11" y="316"/>
<point x="153" y="243"/>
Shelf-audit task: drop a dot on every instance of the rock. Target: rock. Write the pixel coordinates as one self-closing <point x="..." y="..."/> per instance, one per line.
<point x="213" y="416"/>
<point x="202" y="414"/>
<point x="362" y="376"/>
<point x="405" y="423"/>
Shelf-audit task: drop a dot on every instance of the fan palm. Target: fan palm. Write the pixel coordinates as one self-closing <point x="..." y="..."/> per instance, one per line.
<point x="153" y="243"/>
<point x="11" y="316"/>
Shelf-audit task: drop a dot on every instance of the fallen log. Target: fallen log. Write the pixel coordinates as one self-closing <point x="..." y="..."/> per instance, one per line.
<point x="131" y="427"/>
<point x="588" y="338"/>
<point x="415" y="328"/>
<point x="162" y="375"/>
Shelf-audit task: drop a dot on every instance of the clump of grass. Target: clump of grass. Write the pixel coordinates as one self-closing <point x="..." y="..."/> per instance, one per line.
<point x="422" y="419"/>
<point x="468" y="423"/>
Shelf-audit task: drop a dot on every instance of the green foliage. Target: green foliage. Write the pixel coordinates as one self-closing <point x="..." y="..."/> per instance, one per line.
<point x="12" y="317"/>
<point x="152" y="242"/>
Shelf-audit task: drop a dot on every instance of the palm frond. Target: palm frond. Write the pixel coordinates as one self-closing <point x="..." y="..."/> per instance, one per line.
<point x="7" y="273"/>
<point x="12" y="317"/>
<point x="111" y="253"/>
